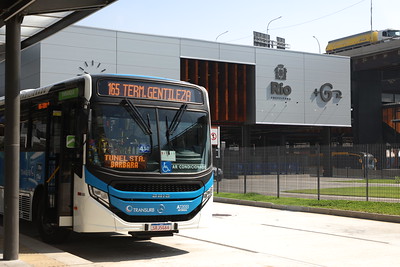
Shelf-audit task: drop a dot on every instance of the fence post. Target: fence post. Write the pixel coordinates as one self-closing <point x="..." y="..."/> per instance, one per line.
<point x="318" y="175"/>
<point x="216" y="175"/>
<point x="278" y="171"/>
<point x="366" y="173"/>
<point x="245" y="170"/>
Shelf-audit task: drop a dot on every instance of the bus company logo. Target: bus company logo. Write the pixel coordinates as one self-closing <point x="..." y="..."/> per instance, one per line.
<point x="161" y="208"/>
<point x="280" y="72"/>
<point x="129" y="208"/>
<point x="326" y="92"/>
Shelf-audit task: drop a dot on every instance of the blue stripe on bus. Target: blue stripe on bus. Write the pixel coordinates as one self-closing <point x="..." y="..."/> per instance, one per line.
<point x="146" y="208"/>
<point x="95" y="182"/>
<point x="155" y="195"/>
<point x="161" y="195"/>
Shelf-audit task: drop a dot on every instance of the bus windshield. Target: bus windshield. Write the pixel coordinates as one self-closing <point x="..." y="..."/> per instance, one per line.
<point x="393" y="33"/>
<point x="148" y="139"/>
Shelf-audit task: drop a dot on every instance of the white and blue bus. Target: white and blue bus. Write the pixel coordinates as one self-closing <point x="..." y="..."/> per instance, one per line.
<point x="114" y="153"/>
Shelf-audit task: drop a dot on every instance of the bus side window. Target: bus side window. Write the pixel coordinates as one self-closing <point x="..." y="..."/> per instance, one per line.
<point x="38" y="141"/>
<point x="2" y="132"/>
<point x="24" y="135"/>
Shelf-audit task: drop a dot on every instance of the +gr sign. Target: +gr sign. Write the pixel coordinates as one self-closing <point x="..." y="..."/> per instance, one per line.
<point x="326" y="92"/>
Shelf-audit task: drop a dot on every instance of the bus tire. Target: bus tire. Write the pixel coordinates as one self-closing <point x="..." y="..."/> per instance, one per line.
<point x="49" y="231"/>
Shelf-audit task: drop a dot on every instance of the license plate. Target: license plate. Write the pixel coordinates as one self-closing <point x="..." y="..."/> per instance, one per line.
<point x="161" y="227"/>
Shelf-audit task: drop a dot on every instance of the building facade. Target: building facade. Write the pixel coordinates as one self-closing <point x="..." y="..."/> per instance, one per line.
<point x="258" y="96"/>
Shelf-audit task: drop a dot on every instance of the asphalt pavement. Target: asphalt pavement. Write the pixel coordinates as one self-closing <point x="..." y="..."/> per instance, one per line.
<point x="33" y="252"/>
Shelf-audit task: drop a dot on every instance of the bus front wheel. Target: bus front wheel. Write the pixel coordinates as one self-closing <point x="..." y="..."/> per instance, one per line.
<point x="49" y="231"/>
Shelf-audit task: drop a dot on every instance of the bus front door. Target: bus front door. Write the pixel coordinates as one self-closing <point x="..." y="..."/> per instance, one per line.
<point x="55" y="210"/>
<point x="67" y="160"/>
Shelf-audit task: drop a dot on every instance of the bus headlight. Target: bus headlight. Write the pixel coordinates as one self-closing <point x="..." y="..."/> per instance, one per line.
<point x="99" y="195"/>
<point x="207" y="195"/>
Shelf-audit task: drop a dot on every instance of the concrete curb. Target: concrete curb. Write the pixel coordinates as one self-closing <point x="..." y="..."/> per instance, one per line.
<point x="344" y="213"/>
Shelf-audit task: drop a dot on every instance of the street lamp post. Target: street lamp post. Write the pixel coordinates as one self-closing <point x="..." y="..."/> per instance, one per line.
<point x="319" y="47"/>
<point x="272" y="21"/>
<point x="220" y="35"/>
<point x="269" y="42"/>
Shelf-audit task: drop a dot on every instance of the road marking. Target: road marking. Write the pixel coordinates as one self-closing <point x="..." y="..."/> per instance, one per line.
<point x="322" y="233"/>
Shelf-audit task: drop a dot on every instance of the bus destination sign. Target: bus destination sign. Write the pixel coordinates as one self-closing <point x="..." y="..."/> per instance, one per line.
<point x="125" y="161"/>
<point x="151" y="91"/>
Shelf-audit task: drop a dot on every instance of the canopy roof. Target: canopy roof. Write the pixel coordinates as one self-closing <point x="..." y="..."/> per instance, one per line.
<point x="43" y="18"/>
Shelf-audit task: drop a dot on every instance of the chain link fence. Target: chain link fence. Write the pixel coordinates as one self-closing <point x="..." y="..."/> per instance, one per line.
<point x="358" y="172"/>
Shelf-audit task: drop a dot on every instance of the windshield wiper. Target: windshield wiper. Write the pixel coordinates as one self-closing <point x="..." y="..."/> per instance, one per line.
<point x="135" y="114"/>
<point x="174" y="123"/>
<point x="176" y="120"/>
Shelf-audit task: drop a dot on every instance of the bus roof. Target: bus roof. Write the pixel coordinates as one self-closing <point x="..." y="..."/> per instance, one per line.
<point x="350" y="36"/>
<point x="137" y="76"/>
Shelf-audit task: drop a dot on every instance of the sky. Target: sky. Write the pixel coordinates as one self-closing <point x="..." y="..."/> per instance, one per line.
<point x="306" y="25"/>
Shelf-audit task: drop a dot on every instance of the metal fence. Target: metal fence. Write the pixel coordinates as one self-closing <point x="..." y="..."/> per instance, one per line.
<point x="359" y="172"/>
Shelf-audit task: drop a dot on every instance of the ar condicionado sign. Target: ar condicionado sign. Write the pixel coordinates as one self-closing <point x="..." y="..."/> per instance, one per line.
<point x="125" y="161"/>
<point x="152" y="91"/>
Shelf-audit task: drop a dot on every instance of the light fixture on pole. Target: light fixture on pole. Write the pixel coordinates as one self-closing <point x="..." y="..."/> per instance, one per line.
<point x="220" y="35"/>
<point x="319" y="47"/>
<point x="272" y="21"/>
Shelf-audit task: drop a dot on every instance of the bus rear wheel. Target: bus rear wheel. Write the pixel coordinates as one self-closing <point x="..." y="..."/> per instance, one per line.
<point x="49" y="231"/>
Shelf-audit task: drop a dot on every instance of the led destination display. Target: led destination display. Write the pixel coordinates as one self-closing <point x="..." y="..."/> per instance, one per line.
<point x="125" y="161"/>
<point x="151" y="91"/>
